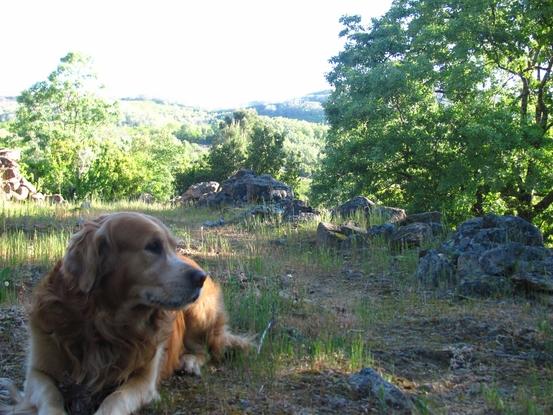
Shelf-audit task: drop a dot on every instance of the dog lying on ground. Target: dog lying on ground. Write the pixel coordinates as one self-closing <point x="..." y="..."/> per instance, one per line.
<point x="118" y="313"/>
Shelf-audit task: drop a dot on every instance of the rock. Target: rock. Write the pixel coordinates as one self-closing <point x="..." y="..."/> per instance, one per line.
<point x="215" y="200"/>
<point x="425" y="217"/>
<point x="369" y="382"/>
<point x="329" y="235"/>
<point x="414" y="234"/>
<point x="298" y="210"/>
<point x="146" y="198"/>
<point x="352" y="230"/>
<point x="37" y="197"/>
<point x="13" y="155"/>
<point x="214" y="223"/>
<point x="22" y="193"/>
<point x="10" y="173"/>
<point x="386" y="214"/>
<point x="355" y="205"/>
<point x="435" y="269"/>
<point x="28" y="185"/>
<point x="491" y="255"/>
<point x="199" y="191"/>
<point x="384" y="231"/>
<point x="246" y="186"/>
<point x="8" y="163"/>
<point x="56" y="199"/>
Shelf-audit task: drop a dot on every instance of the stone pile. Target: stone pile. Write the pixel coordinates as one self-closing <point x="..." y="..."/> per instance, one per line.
<point x="14" y="185"/>
<point x="399" y="229"/>
<point x="490" y="255"/>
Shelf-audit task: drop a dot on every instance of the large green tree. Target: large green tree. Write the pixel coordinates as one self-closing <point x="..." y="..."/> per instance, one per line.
<point x="445" y="104"/>
<point x="58" y="120"/>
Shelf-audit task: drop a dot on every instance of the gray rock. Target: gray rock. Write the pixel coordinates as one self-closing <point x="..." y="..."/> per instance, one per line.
<point x="368" y="382"/>
<point x="493" y="255"/>
<point x="329" y="235"/>
<point x="246" y="186"/>
<point x="357" y="204"/>
<point x="199" y="191"/>
<point x="298" y="210"/>
<point x="385" y="231"/>
<point x="386" y="214"/>
<point x="435" y="269"/>
<point x="414" y="234"/>
<point x="425" y="217"/>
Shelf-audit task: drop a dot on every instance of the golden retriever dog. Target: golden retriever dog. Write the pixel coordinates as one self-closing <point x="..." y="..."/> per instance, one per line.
<point x="121" y="311"/>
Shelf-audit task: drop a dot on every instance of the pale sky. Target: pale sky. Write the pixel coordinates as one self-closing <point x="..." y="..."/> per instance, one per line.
<point x="210" y="53"/>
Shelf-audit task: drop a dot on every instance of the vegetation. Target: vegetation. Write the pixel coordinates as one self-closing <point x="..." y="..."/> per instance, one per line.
<point x="332" y="314"/>
<point x="79" y="144"/>
<point x="445" y="105"/>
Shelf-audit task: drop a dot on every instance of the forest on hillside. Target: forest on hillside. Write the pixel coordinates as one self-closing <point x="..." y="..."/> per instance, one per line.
<point x="441" y="105"/>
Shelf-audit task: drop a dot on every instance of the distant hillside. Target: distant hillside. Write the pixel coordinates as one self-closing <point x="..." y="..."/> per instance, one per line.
<point x="141" y="111"/>
<point x="7" y="108"/>
<point x="307" y="108"/>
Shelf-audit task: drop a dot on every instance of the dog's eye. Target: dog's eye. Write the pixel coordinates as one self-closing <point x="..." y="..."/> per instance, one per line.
<point x="155" y="247"/>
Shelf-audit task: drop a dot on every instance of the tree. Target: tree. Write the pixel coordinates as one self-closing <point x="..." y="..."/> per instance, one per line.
<point x="445" y="104"/>
<point x="230" y="148"/>
<point x="266" y="150"/>
<point x="58" y="119"/>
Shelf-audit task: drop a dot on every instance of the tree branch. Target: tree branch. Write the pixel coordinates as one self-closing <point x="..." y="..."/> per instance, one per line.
<point x="543" y="204"/>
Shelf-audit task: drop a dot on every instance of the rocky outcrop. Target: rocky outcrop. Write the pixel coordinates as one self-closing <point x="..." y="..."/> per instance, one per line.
<point x="245" y="187"/>
<point x="488" y="255"/>
<point x="401" y="231"/>
<point x="14" y="185"/>
<point x="199" y="191"/>
<point x="364" y="206"/>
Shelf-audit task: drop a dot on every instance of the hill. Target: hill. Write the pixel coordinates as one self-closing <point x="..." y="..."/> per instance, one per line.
<point x="307" y="108"/>
<point x="142" y="111"/>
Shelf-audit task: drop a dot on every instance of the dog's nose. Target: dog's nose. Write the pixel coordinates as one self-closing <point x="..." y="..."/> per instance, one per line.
<point x="197" y="277"/>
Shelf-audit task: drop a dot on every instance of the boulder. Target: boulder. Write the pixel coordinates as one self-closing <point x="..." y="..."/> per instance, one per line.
<point x="11" y="154"/>
<point x="14" y="186"/>
<point x="489" y="255"/>
<point x="412" y="235"/>
<point x="297" y="210"/>
<point x="246" y="186"/>
<point x="144" y="198"/>
<point x="199" y="191"/>
<point x="386" y="214"/>
<point x="384" y="231"/>
<point x="368" y="382"/>
<point x="355" y="205"/>
<point x="435" y="268"/>
<point x="55" y="199"/>
<point x="424" y="217"/>
<point x="329" y="235"/>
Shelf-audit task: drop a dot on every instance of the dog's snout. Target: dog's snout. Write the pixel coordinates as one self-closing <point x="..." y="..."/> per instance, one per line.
<point x="197" y="277"/>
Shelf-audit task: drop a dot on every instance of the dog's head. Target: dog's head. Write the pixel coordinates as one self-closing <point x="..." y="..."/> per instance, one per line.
<point x="132" y="257"/>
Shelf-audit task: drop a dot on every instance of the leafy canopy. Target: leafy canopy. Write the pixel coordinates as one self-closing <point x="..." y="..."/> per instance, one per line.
<point x="445" y="104"/>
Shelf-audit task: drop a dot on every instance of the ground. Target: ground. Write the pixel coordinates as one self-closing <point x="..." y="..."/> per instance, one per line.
<point x="333" y="313"/>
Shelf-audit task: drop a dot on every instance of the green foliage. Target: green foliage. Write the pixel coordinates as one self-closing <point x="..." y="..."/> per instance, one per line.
<point x="308" y="108"/>
<point x="266" y="150"/>
<point x="58" y="121"/>
<point x="445" y="105"/>
<point x="285" y="149"/>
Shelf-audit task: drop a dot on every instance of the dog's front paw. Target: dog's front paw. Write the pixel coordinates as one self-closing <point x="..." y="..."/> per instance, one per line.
<point x="9" y="392"/>
<point x="192" y="364"/>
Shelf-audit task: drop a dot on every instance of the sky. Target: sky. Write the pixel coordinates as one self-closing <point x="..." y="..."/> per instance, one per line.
<point x="207" y="53"/>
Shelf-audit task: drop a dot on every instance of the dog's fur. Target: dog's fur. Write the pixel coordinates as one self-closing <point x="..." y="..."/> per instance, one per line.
<point x="118" y="313"/>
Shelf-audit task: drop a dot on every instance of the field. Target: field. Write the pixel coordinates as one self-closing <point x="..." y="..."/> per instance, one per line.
<point x="332" y="314"/>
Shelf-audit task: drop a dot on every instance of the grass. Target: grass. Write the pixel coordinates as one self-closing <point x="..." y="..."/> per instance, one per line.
<point x="333" y="313"/>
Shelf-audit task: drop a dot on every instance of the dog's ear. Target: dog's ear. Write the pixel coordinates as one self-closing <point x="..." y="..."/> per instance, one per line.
<point x="84" y="260"/>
